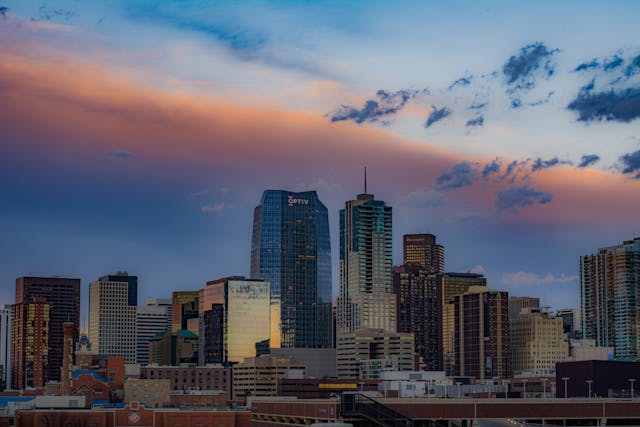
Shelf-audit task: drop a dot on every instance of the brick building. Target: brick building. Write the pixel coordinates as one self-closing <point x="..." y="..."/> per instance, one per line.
<point x="192" y="377"/>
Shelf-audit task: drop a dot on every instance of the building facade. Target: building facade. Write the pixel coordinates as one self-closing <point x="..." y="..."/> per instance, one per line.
<point x="112" y="315"/>
<point x="235" y="314"/>
<point x="481" y="344"/>
<point x="450" y="285"/>
<point x="517" y="304"/>
<point x="151" y="320"/>
<point x="423" y="250"/>
<point x="419" y="311"/>
<point x="191" y="377"/>
<point x="260" y="376"/>
<point x="537" y="342"/>
<point x="367" y="353"/>
<point x="31" y="323"/>
<point x="5" y="347"/>
<point x="609" y="286"/>
<point x="290" y="249"/>
<point x="63" y="297"/>
<point x="366" y="298"/>
<point x="174" y="348"/>
<point x="184" y="307"/>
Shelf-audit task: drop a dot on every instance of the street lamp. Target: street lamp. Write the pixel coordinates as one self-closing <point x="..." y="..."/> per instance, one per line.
<point x="589" y="382"/>
<point x="565" y="379"/>
<point x="631" y="381"/>
<point x="505" y="384"/>
<point x="459" y="389"/>
<point x="524" y="389"/>
<point x="544" y="387"/>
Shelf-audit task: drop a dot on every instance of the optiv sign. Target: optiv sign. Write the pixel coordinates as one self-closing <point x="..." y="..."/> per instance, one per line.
<point x="293" y="201"/>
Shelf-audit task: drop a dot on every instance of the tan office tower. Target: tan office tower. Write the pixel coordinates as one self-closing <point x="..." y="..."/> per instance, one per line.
<point x="366" y="298"/>
<point x="450" y="285"/>
<point x="537" y="342"/>
<point x="422" y="249"/>
<point x="481" y="343"/>
<point x="184" y="307"/>
<point x="517" y="304"/>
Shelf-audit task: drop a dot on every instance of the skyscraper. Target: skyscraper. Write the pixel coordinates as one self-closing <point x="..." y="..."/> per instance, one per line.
<point x="151" y="320"/>
<point x="184" y="307"/>
<point x="517" y="304"/>
<point x="63" y="297"/>
<point x="112" y="315"/>
<point x="290" y="250"/>
<point x="420" y="311"/>
<point x="234" y="316"/>
<point x="481" y="341"/>
<point x="422" y="249"/>
<point x="609" y="287"/>
<point x="5" y="347"/>
<point x="366" y="297"/>
<point x="31" y="348"/>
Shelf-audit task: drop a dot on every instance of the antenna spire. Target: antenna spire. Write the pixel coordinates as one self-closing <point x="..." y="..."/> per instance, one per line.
<point x="365" y="180"/>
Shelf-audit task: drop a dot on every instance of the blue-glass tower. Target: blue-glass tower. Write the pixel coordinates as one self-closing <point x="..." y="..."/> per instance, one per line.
<point x="290" y="249"/>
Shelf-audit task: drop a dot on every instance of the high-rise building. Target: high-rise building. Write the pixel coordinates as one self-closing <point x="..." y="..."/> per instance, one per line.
<point x="5" y="347"/>
<point x="234" y="315"/>
<point x="184" y="307"/>
<point x="112" y="315"/>
<point x="31" y="346"/>
<point x="167" y="305"/>
<point x="571" y="322"/>
<point x="537" y="342"/>
<point x="481" y="343"/>
<point x="422" y="249"/>
<point x="151" y="320"/>
<point x="517" y="304"/>
<point x="609" y="288"/>
<point x="290" y="249"/>
<point x="450" y="285"/>
<point x="174" y="348"/>
<point x="366" y="298"/>
<point x="63" y="297"/>
<point x="420" y="311"/>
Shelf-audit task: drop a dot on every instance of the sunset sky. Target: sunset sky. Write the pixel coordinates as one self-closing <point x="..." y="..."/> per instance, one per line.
<point x="139" y="136"/>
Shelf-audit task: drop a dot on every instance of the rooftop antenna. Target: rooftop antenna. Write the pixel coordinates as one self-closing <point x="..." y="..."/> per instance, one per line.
<point x="365" y="180"/>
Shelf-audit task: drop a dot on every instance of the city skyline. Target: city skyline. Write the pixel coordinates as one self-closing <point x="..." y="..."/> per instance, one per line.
<point x="140" y="137"/>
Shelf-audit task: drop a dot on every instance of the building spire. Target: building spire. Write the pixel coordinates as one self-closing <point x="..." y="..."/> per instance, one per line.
<point x="365" y="180"/>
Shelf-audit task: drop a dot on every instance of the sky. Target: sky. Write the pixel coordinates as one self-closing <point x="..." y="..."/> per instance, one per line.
<point x="139" y="136"/>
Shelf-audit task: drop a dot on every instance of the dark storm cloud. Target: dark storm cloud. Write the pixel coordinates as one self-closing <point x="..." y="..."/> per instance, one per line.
<point x="539" y="164"/>
<point x="491" y="168"/>
<point x="462" y="81"/>
<point x="588" y="65"/>
<point x="386" y="104"/>
<point x="514" y="198"/>
<point x="120" y="154"/>
<point x="588" y="160"/>
<point x="621" y="106"/>
<point x="612" y="63"/>
<point x="519" y="68"/>
<point x="633" y="68"/>
<point x="436" y="115"/>
<point x="478" y="121"/>
<point x="460" y="175"/>
<point x="631" y="163"/>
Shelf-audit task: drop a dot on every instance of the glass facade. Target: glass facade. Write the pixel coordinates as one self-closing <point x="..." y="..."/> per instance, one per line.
<point x="290" y="249"/>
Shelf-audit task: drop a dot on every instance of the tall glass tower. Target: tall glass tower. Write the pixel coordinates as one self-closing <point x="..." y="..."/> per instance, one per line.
<point x="290" y="249"/>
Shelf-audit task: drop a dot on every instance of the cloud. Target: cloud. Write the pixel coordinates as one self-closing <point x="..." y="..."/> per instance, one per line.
<point x="491" y="168"/>
<point x="462" y="81"/>
<point x="3" y="11"/>
<point x="478" y="121"/>
<point x="427" y="198"/>
<point x="477" y="269"/>
<point x="612" y="63"/>
<point x="387" y="103"/>
<point x="588" y="65"/>
<point x="522" y="278"/>
<point x="436" y="115"/>
<point x="460" y="175"/>
<point x="121" y="154"/>
<point x="621" y="106"/>
<point x="588" y="160"/>
<point x="520" y="68"/>
<point x="514" y="198"/>
<point x="216" y="208"/>
<point x="539" y="164"/>
<point x="633" y="68"/>
<point x="631" y="163"/>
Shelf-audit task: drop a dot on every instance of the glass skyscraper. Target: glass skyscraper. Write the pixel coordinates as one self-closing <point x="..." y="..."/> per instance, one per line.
<point x="290" y="249"/>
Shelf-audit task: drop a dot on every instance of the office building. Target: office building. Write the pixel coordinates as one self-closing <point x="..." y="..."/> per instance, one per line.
<point x="481" y="343"/>
<point x="151" y="320"/>
<point x="112" y="315"/>
<point x="420" y="311"/>
<point x="452" y="284"/>
<point x="5" y="347"/>
<point x="609" y="286"/>
<point x="63" y="297"/>
<point x="571" y="322"/>
<point x="367" y="353"/>
<point x="31" y="348"/>
<point x="173" y="348"/>
<point x="234" y="316"/>
<point x="537" y="342"/>
<point x="290" y="249"/>
<point x="366" y="299"/>
<point x="184" y="306"/>
<point x="518" y="304"/>
<point x="259" y="376"/>
<point x="423" y="250"/>
<point x="191" y="377"/>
